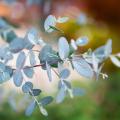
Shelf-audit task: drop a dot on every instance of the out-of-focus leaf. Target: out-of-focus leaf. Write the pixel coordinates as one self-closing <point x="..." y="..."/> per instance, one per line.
<point x="115" y="60"/>
<point x="48" y="68"/>
<point x="82" y="41"/>
<point x="61" y="95"/>
<point x="63" y="48"/>
<point x="17" y="45"/>
<point x="32" y="35"/>
<point x="43" y="111"/>
<point x="104" y="51"/>
<point x="32" y="58"/>
<point x="8" y="36"/>
<point x="50" y="21"/>
<point x="30" y="108"/>
<point x="27" y="87"/>
<point x="82" y="67"/>
<point x="5" y="54"/>
<point x="95" y="62"/>
<point x="46" y="100"/>
<point x="49" y="55"/>
<point x="5" y="73"/>
<point x="35" y="92"/>
<point x="18" y="78"/>
<point x="108" y="47"/>
<point x="20" y="60"/>
<point x="28" y="71"/>
<point x="74" y="45"/>
<point x="62" y="19"/>
<point x="64" y="73"/>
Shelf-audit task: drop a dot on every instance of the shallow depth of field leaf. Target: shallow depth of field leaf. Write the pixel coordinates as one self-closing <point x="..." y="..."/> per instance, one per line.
<point x="32" y="58"/>
<point x="73" y="44"/>
<point x="18" y="78"/>
<point x="43" y="111"/>
<point x="20" y="60"/>
<point x="32" y="36"/>
<point x="5" y="74"/>
<point x="62" y="19"/>
<point x="49" y="55"/>
<point x="63" y="47"/>
<point x="46" y="100"/>
<point x="115" y="60"/>
<point x="28" y="72"/>
<point x="82" y="41"/>
<point x="108" y="48"/>
<point x="61" y="95"/>
<point x="48" y="68"/>
<point x="95" y="62"/>
<point x="82" y="67"/>
<point x="30" y="108"/>
<point x="35" y="92"/>
<point x="27" y="87"/>
<point x="17" y="45"/>
<point x="64" y="73"/>
<point x="50" y="21"/>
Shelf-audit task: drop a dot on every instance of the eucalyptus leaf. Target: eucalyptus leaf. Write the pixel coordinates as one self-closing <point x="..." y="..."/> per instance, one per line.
<point x="17" y="45"/>
<point x="32" y="58"/>
<point x="32" y="35"/>
<point x="50" y="21"/>
<point x="74" y="45"/>
<point x="30" y="108"/>
<point x="63" y="47"/>
<point x="43" y="111"/>
<point x="35" y="92"/>
<point x="64" y="73"/>
<point x="48" y="68"/>
<point x="46" y="100"/>
<point x="20" y="60"/>
<point x="18" y="78"/>
<point x="108" y="47"/>
<point x="49" y="55"/>
<point x="61" y="95"/>
<point x="28" y="71"/>
<point x="62" y="19"/>
<point x="115" y="60"/>
<point x="27" y="87"/>
<point x="82" y="41"/>
<point x="82" y="67"/>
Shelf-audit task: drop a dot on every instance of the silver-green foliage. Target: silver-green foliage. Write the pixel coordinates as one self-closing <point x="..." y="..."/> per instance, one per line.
<point x="88" y="64"/>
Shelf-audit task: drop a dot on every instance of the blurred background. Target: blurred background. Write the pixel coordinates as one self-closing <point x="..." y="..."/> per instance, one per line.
<point x="97" y="19"/>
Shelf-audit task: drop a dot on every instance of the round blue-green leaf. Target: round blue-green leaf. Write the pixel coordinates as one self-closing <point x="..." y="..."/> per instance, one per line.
<point x="28" y="71"/>
<point x="35" y="92"/>
<point x="82" y="41"/>
<point x="64" y="73"/>
<point x="46" y="100"/>
<point x="27" y="87"/>
<point x="50" y="21"/>
<point x="30" y="108"/>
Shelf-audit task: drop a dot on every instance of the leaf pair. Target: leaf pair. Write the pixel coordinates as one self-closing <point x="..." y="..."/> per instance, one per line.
<point x="42" y="103"/>
<point x="28" y="88"/>
<point x="51" y="21"/>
